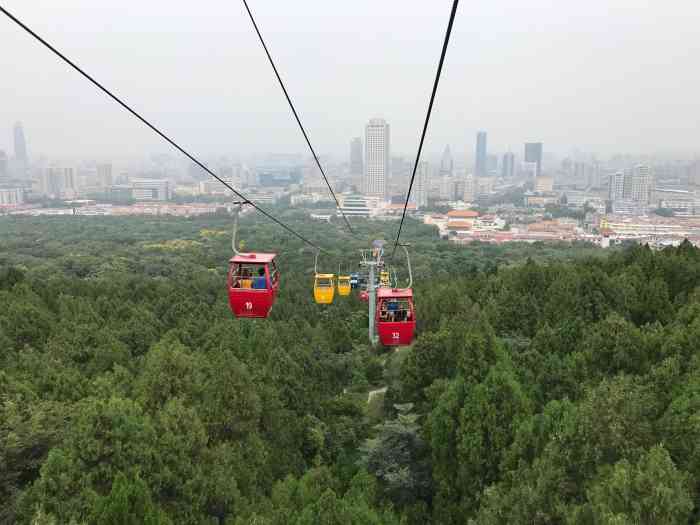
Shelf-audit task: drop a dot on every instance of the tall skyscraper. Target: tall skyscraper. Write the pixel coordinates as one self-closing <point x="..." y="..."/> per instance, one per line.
<point x="533" y="154"/>
<point x="481" y="166"/>
<point x="694" y="173"/>
<point x="419" y="195"/>
<point x="56" y="183"/>
<point x="638" y="184"/>
<point x="469" y="188"/>
<point x="446" y="163"/>
<point x="104" y="175"/>
<point x="377" y="157"/>
<point x="3" y="165"/>
<point x="616" y="188"/>
<point x="356" y="161"/>
<point x="20" y="144"/>
<point x="508" y="165"/>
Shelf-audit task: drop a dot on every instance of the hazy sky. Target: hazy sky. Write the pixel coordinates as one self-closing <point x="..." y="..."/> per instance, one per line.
<point x="599" y="75"/>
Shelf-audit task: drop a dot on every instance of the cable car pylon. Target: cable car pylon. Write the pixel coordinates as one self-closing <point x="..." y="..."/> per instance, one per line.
<point x="391" y="310"/>
<point x="373" y="260"/>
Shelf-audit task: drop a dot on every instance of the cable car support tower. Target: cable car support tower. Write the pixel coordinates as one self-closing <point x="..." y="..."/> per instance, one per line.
<point x="373" y="261"/>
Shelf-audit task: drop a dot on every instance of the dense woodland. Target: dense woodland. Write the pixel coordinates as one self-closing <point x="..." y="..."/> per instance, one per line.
<point x="548" y="384"/>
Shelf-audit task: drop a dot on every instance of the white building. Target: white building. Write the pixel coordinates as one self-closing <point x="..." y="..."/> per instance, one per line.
<point x="354" y="206"/>
<point x="11" y="196"/>
<point x="377" y="157"/>
<point x="638" y="184"/>
<point x="150" y="189"/>
<point x="214" y="187"/>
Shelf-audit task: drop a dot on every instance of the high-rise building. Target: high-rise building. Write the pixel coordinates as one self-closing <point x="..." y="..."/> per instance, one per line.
<point x="616" y="189"/>
<point x="481" y="166"/>
<point x="56" y="183"/>
<point x="104" y="175"/>
<point x="533" y="155"/>
<point x="594" y="174"/>
<point x="446" y="163"/>
<point x="20" y="143"/>
<point x="3" y="165"/>
<point x="638" y="184"/>
<point x="419" y="195"/>
<point x="694" y="173"/>
<point x="508" y="165"/>
<point x="377" y="157"/>
<point x="469" y="188"/>
<point x="356" y="161"/>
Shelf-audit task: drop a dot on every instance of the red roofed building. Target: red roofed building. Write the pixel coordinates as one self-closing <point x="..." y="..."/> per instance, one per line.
<point x="462" y="214"/>
<point x="460" y="221"/>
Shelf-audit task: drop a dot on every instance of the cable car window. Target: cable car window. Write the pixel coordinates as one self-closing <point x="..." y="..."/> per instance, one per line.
<point x="249" y="276"/>
<point x="323" y="282"/>
<point x="395" y="311"/>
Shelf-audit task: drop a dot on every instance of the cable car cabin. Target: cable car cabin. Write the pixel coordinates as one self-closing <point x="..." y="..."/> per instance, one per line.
<point x="384" y="279"/>
<point x="344" y="286"/>
<point x="324" y="288"/>
<point x="253" y="282"/>
<point x="396" y="319"/>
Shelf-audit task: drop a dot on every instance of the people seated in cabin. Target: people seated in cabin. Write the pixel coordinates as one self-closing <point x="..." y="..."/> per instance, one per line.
<point x="395" y="311"/>
<point x="260" y="282"/>
<point x="246" y="278"/>
<point x="383" y="313"/>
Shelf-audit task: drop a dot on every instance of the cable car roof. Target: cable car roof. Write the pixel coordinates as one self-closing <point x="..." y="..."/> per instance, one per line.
<point x="398" y="293"/>
<point x="261" y="258"/>
<point x="325" y="275"/>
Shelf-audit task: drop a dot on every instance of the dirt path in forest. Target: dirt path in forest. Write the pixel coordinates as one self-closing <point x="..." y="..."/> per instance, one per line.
<point x="373" y="393"/>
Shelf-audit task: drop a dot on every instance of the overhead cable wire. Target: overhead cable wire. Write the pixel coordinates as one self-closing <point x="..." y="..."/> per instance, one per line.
<point x="427" y="119"/>
<point x="296" y="116"/>
<point x="152" y="127"/>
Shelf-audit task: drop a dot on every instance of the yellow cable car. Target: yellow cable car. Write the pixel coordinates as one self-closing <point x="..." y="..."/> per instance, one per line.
<point x="344" y="287"/>
<point x="324" y="288"/>
<point x="384" y="280"/>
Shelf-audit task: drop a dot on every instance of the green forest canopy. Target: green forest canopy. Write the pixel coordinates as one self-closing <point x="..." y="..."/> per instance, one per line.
<point x="548" y="383"/>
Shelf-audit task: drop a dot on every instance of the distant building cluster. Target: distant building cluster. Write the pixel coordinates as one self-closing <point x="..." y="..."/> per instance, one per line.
<point x="529" y="192"/>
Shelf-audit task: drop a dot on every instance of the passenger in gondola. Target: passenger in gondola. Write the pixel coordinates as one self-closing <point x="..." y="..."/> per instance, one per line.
<point x="246" y="278"/>
<point x="393" y="310"/>
<point x="260" y="282"/>
<point x="383" y="314"/>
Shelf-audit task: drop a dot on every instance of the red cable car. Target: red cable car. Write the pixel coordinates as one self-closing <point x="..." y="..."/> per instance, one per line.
<point x="253" y="279"/>
<point x="253" y="282"/>
<point x="395" y="316"/>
